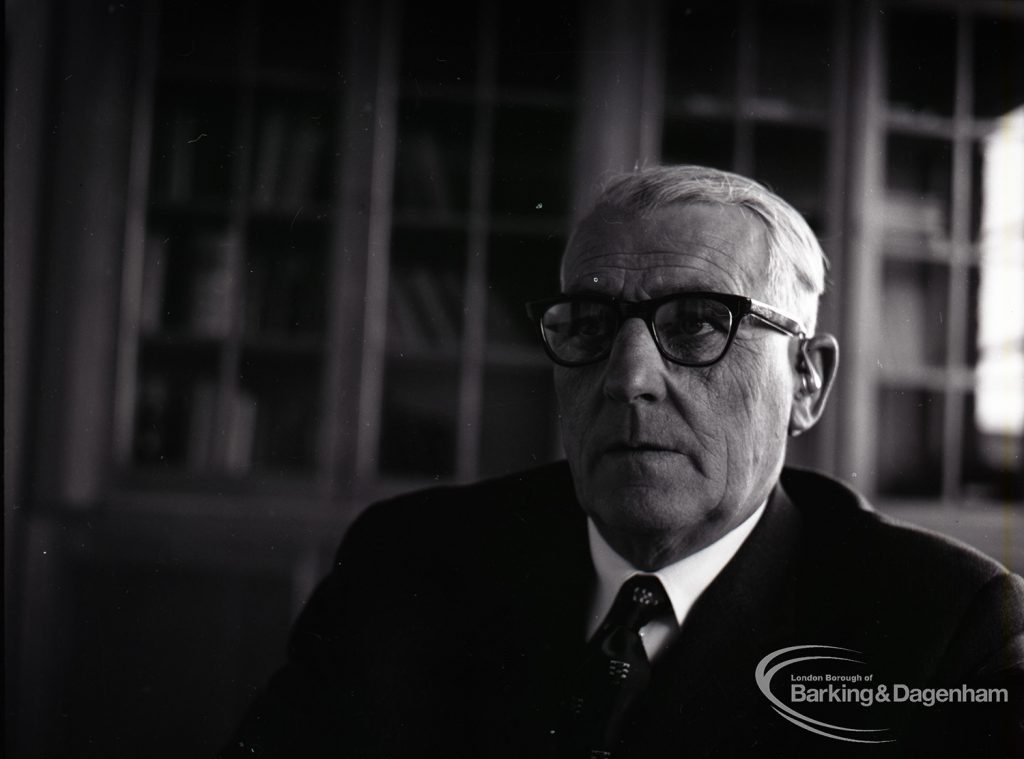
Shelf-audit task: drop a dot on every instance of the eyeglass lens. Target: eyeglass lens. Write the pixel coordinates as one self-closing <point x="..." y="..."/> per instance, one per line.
<point x="690" y="330"/>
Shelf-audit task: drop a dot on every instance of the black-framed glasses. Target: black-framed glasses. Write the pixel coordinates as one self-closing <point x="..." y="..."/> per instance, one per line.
<point x="689" y="328"/>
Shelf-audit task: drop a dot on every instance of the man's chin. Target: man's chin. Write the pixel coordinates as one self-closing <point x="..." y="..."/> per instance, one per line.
<point x="645" y="511"/>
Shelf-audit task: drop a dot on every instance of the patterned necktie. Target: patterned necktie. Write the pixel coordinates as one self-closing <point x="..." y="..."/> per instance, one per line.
<point x="616" y="668"/>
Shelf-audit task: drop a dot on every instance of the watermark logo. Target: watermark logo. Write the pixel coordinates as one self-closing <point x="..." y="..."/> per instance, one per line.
<point x="841" y="686"/>
<point x="827" y="690"/>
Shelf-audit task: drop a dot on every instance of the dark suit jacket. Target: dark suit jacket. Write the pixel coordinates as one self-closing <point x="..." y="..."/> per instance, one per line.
<point x="453" y="623"/>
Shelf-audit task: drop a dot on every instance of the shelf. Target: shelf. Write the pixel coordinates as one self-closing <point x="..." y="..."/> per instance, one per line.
<point x="406" y="352"/>
<point x="935" y="379"/>
<point x="902" y="245"/>
<point x="701" y="107"/>
<point x="779" y="111"/>
<point x="179" y="341"/>
<point x="189" y="210"/>
<point x="518" y="356"/>
<point x="446" y="221"/>
<point x="516" y="223"/>
<point x="305" y="214"/>
<point x="910" y="122"/>
<point x="284" y="345"/>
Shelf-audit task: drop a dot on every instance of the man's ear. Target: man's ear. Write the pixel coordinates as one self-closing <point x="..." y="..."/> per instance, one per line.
<point x="817" y="358"/>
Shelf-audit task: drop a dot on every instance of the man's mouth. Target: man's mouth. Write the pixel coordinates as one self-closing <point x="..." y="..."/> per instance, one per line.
<point x="637" y="448"/>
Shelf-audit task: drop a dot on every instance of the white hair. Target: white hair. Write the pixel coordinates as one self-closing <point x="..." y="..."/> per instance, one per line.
<point x="796" y="262"/>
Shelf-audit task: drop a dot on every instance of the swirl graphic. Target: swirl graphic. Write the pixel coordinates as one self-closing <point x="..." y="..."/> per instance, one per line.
<point x="763" y="675"/>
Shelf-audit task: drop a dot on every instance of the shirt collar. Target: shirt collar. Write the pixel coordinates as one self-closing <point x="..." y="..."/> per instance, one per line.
<point x="684" y="580"/>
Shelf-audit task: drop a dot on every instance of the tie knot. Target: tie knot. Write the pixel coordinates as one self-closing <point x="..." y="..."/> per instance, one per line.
<point x="641" y="599"/>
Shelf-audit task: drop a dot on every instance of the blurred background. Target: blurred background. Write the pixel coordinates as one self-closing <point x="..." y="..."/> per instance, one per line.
<point x="265" y="263"/>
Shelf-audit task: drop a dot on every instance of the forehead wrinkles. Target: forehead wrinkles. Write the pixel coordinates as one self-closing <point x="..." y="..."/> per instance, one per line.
<point x="712" y="240"/>
<point x="704" y="269"/>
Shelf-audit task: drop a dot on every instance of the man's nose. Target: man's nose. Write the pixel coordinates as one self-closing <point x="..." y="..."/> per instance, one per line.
<point x="635" y="369"/>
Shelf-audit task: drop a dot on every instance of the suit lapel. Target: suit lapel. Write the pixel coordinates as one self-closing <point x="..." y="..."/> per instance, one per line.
<point x="535" y="636"/>
<point x="706" y="675"/>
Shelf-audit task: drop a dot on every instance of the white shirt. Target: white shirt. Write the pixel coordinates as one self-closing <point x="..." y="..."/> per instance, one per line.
<point x="684" y="580"/>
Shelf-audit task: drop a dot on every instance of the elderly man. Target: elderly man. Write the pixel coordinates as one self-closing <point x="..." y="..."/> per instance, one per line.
<point x="672" y="590"/>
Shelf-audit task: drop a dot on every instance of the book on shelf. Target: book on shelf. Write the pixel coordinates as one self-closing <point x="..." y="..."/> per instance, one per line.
<point x="180" y="155"/>
<point x="151" y="412"/>
<point x="154" y="275"/>
<point x="435" y="297"/>
<point x="211" y="285"/>
<point x="241" y="432"/>
<point x="202" y="425"/>
<point x="254" y="290"/>
<point x="269" y="159"/>
<point x="303" y="160"/>
<point x="403" y="326"/>
<point x="423" y="181"/>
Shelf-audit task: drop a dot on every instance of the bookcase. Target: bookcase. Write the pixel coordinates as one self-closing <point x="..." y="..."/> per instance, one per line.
<point x="284" y="335"/>
<point x="485" y="117"/>
<point x="938" y="278"/>
<point x="224" y="344"/>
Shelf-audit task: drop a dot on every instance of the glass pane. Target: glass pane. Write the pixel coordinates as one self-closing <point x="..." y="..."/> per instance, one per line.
<point x="998" y="63"/>
<point x="293" y="157"/>
<point x="791" y="161"/>
<point x="701" y="49"/>
<point x="196" y="281"/>
<point x="994" y="423"/>
<point x="304" y="34"/>
<point x="706" y="143"/>
<point x="518" y="420"/>
<point x="993" y="441"/>
<point x="438" y="49"/>
<point x="538" y="43"/>
<point x="176" y="406"/>
<point x="418" y="420"/>
<point x="922" y="61"/>
<point x="425" y="297"/>
<point x="909" y="443"/>
<point x="917" y="197"/>
<point x="199" y="33"/>
<point x="274" y="417"/>
<point x="532" y="162"/>
<point x="794" y="53"/>
<point x="193" y="146"/>
<point x="519" y="268"/>
<point x="285" y="279"/>
<point x="432" y="165"/>
<point x="914" y="304"/>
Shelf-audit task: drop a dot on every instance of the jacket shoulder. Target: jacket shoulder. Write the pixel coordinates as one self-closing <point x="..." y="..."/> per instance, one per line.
<point x="837" y="514"/>
<point x="905" y="588"/>
<point x="458" y="518"/>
